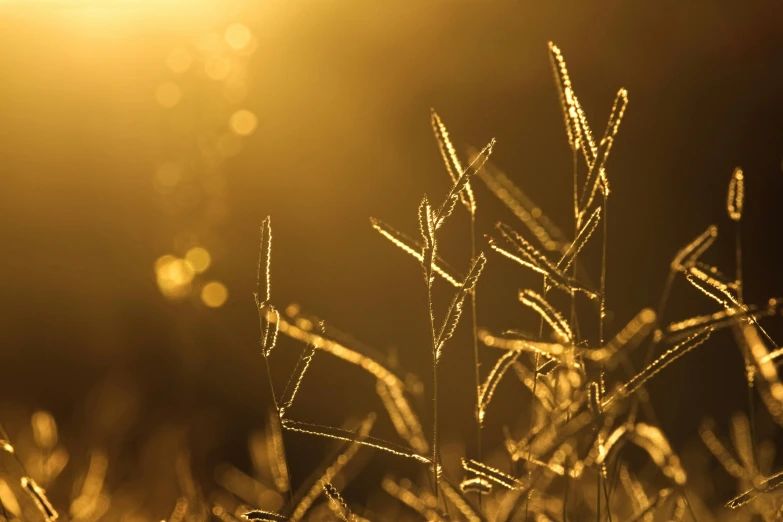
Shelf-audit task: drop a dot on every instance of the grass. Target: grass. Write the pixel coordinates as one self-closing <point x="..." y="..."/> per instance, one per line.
<point x="578" y="458"/>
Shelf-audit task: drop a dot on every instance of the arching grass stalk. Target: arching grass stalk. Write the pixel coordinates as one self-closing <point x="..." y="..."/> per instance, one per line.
<point x="429" y="221"/>
<point x="269" y="319"/>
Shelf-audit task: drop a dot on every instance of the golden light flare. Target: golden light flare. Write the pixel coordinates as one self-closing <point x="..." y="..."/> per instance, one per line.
<point x="234" y="90"/>
<point x="229" y="144"/>
<point x="210" y="44"/>
<point x="214" y="55"/>
<point x="238" y="36"/>
<point x="243" y="122"/>
<point x="174" y="276"/>
<point x="217" y="68"/>
<point x="214" y="294"/>
<point x="167" y="176"/>
<point x="199" y="259"/>
<point x="8" y="498"/>
<point x="179" y="60"/>
<point x="44" y="429"/>
<point x="168" y="94"/>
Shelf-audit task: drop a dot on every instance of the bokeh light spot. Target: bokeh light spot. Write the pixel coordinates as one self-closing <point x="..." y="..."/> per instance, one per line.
<point x="8" y="498"/>
<point x="217" y="68"/>
<point x="243" y="122"/>
<point x="167" y="176"/>
<point x="230" y="145"/>
<point x="234" y="90"/>
<point x="168" y="94"/>
<point x="199" y="259"/>
<point x="214" y="294"/>
<point x="210" y="44"/>
<point x="238" y="36"/>
<point x="174" y="276"/>
<point x="44" y="429"/>
<point x="179" y="60"/>
<point x="163" y="261"/>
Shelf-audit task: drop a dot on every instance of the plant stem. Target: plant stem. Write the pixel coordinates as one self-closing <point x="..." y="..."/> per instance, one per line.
<point x="601" y="316"/>
<point x="606" y="496"/>
<point x="602" y="310"/>
<point x="434" y="389"/>
<point x="435" y="426"/>
<point x="738" y="254"/>
<point x="533" y="399"/>
<point x="282" y="439"/>
<point x="475" y="348"/>
<point x="598" y="498"/>
<point x="574" y="323"/>
<point x="648" y="356"/>
<point x="565" y="493"/>
<point x="740" y="299"/>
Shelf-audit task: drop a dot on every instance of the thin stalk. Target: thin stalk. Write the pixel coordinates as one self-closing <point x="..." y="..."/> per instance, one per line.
<point x="602" y="309"/>
<point x="4" y="435"/>
<point x="606" y="496"/>
<point x="282" y="438"/>
<point x="740" y="299"/>
<point x="688" y="504"/>
<point x="598" y="498"/>
<point x="435" y="426"/>
<point x="565" y="493"/>
<point x="532" y="404"/>
<point x="577" y="223"/>
<point x="434" y="395"/>
<point x="615" y="474"/>
<point x="738" y="254"/>
<point x="574" y="322"/>
<point x="649" y="354"/>
<point x="475" y="348"/>
<point x="601" y="315"/>
<point x="533" y="399"/>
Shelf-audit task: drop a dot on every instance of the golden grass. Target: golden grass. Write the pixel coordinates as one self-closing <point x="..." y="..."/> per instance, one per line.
<point x="570" y="462"/>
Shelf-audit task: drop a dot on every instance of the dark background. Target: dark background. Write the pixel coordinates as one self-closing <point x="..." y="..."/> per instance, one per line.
<point x="342" y="92"/>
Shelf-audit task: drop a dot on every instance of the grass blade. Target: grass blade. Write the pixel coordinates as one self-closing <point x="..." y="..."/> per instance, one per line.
<point x="456" y="496"/>
<point x="491" y="474"/>
<point x="415" y="249"/>
<point x="581" y="240"/>
<point x="449" y="154"/>
<point x="454" y="311"/>
<point x="264" y="286"/>
<point x="736" y="196"/>
<point x="487" y="390"/>
<point x="402" y="492"/>
<point x="39" y="497"/>
<point x="629" y="337"/>
<point x="447" y="207"/>
<point x="771" y="483"/>
<point x="540" y="305"/>
<point x="596" y="175"/>
<point x="331" y="432"/>
<point x="264" y="516"/>
<point x="546" y="232"/>
<point x="276" y="454"/>
<point x="337" y="503"/>
<point x="297" y="375"/>
<point x="334" y="467"/>
<point x="690" y="253"/>
<point x="659" y="364"/>
<point x="405" y="422"/>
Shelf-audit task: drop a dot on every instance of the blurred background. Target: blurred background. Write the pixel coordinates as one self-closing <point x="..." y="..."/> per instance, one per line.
<point x="142" y="143"/>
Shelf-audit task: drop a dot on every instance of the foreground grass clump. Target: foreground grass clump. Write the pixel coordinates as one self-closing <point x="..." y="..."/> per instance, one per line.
<point x="588" y="406"/>
<point x="569" y="463"/>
